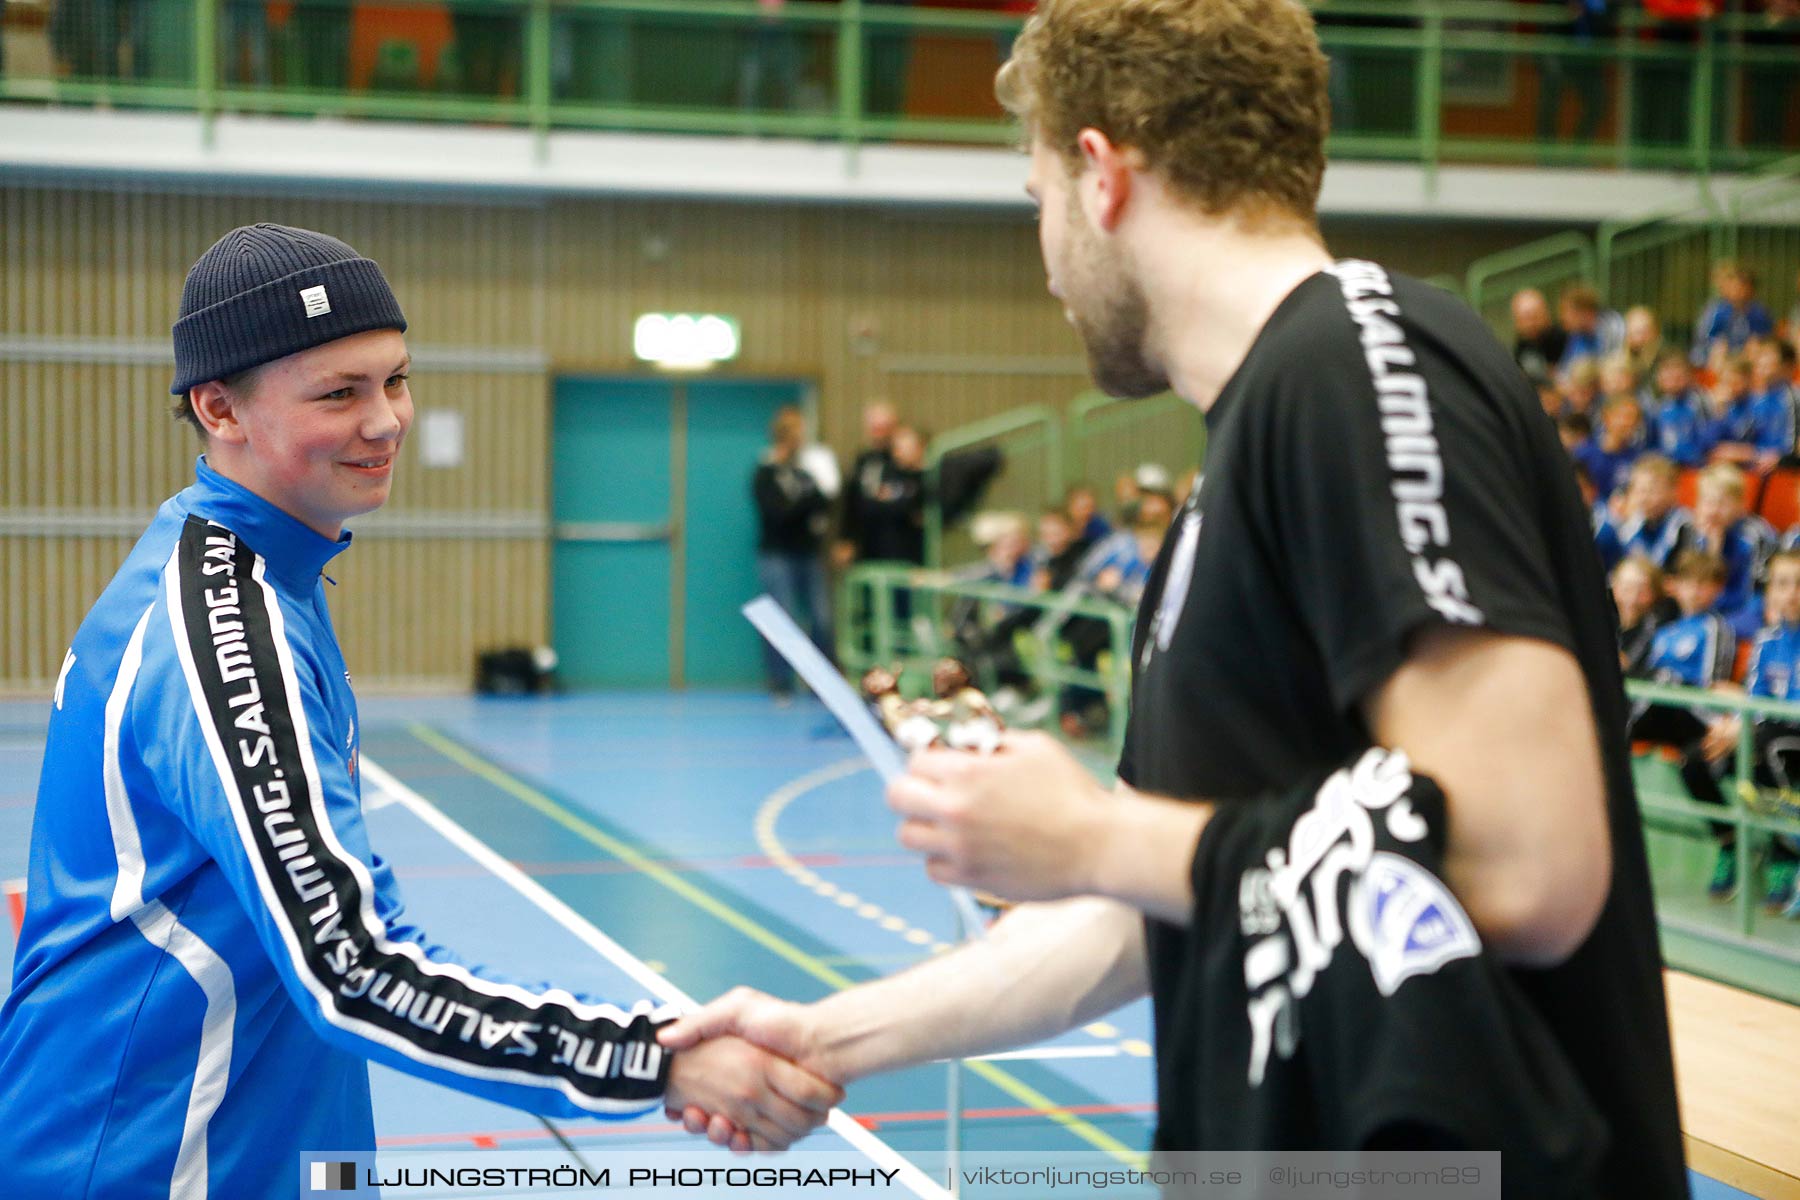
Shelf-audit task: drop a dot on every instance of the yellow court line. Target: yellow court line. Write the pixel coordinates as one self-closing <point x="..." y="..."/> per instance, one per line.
<point x="774" y="943"/>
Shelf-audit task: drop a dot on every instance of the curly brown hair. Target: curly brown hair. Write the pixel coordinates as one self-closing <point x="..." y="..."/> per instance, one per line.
<point x="1226" y="98"/>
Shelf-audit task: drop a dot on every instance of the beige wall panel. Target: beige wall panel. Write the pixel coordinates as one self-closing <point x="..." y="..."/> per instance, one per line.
<point x="853" y="300"/>
<point x="416" y="611"/>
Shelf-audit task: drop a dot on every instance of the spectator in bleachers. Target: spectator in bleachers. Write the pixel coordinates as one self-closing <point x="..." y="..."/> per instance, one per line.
<point x="1734" y="430"/>
<point x="1742" y="541"/>
<point x="1774" y="397"/>
<point x="1126" y="494"/>
<point x="793" y="511"/>
<point x="1576" y="431"/>
<point x="1695" y="650"/>
<point x="1083" y="507"/>
<point x="1115" y="569"/>
<point x="1663" y="85"/>
<point x="1581" y="388"/>
<point x="1594" y="332"/>
<point x="1774" y="673"/>
<point x="769" y="65"/>
<point x="1643" y="339"/>
<point x="1609" y="453"/>
<point x="1619" y="378"/>
<point x="1769" y="85"/>
<point x="85" y="38"/>
<point x="244" y="42"/>
<point x="1538" y="342"/>
<point x="1648" y="522"/>
<point x="1732" y="317"/>
<point x="1679" y="419"/>
<point x="1793" y="320"/>
<point x="1591" y="21"/>
<point x="1637" y="590"/>
<point x="1058" y="552"/>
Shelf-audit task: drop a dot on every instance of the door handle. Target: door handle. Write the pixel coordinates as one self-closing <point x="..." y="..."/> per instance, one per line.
<point x="613" y="531"/>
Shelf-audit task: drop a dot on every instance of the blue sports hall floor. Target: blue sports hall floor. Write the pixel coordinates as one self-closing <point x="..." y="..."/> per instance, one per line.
<point x="717" y="840"/>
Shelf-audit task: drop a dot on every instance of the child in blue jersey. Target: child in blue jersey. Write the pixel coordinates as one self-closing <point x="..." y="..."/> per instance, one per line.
<point x="1733" y="316"/>
<point x="1648" y="521"/>
<point x="1734" y="428"/>
<point x="1680" y="424"/>
<point x="1609" y="453"/>
<point x="1637" y="587"/>
<point x="1774" y="673"/>
<point x="212" y="951"/>
<point x="1773" y="400"/>
<point x="1695" y="650"/>
<point x="1744" y="541"/>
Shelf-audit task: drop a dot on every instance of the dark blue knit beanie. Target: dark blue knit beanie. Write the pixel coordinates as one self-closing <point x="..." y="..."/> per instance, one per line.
<point x="264" y="292"/>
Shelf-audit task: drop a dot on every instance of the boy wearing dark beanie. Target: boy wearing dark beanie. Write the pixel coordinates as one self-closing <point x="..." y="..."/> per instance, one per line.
<point x="211" y="950"/>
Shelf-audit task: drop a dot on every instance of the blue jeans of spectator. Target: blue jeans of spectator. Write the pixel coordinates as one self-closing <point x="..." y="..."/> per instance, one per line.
<point x="797" y="582"/>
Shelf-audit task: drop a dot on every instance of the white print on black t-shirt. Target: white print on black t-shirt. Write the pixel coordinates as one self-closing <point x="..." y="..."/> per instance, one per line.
<point x="1400" y="917"/>
<point x="1416" y="467"/>
<point x="1175" y="587"/>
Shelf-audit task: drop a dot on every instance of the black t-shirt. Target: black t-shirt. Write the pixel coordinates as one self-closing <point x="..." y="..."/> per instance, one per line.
<point x="1378" y="465"/>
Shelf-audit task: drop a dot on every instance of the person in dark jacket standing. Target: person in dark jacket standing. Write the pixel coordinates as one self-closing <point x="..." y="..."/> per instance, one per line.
<point x="793" y="510"/>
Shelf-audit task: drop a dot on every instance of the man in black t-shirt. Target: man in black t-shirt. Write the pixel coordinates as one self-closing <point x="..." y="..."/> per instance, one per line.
<point x="1375" y="852"/>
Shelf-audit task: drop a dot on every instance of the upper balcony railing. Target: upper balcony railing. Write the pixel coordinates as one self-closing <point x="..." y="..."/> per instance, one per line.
<point x="1426" y="81"/>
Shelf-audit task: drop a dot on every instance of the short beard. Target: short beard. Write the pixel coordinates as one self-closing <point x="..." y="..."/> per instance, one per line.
<point x="1112" y="315"/>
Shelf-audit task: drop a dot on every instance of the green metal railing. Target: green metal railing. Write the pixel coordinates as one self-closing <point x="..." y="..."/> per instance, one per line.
<point x="1107" y="436"/>
<point x="1429" y="81"/>
<point x="1031" y="437"/>
<point x="1662" y="257"/>
<point x="1547" y="264"/>
<point x="1753" y="949"/>
<point x="879" y="628"/>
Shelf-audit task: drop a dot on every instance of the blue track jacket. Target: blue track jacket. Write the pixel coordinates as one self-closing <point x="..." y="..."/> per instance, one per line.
<point x="211" y="951"/>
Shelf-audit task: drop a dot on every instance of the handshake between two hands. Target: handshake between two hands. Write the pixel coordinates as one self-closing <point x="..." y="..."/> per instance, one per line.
<point x="755" y="1073"/>
<point x="745" y="1074"/>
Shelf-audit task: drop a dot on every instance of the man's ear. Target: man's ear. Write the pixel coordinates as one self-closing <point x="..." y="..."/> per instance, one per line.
<point x="1106" y="182"/>
<point x="216" y="408"/>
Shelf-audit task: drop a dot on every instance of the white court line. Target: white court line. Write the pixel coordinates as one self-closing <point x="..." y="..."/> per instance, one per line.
<point x="1049" y="1052"/>
<point x="841" y="1123"/>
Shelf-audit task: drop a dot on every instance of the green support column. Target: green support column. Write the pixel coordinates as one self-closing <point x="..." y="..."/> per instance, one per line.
<point x="206" y="67"/>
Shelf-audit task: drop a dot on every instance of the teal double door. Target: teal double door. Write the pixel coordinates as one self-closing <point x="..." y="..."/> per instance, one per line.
<point x="655" y="528"/>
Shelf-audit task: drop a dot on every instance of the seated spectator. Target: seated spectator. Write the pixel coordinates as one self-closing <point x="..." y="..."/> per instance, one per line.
<point x="984" y="632"/>
<point x="1742" y="541"/>
<point x="1005" y="539"/>
<point x="1083" y="508"/>
<point x="1115" y="569"/>
<point x="1680" y="424"/>
<point x="1581" y="388"/>
<point x="1643" y="340"/>
<point x="1594" y="332"/>
<point x="1576" y="431"/>
<point x="1649" y="521"/>
<point x="1773" y="400"/>
<point x="1619" y="378"/>
<point x="1057" y="553"/>
<point x="1637" y="590"/>
<point x="1774" y="672"/>
<point x="1609" y="453"/>
<point x="1121" y="574"/>
<point x="1551" y="398"/>
<point x="1732" y="317"/>
<point x="1538" y="342"/>
<point x="1734" y="431"/>
<point x="1695" y="650"/>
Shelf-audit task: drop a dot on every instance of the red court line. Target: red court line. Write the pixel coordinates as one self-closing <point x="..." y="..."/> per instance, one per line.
<point x="489" y="1139"/>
